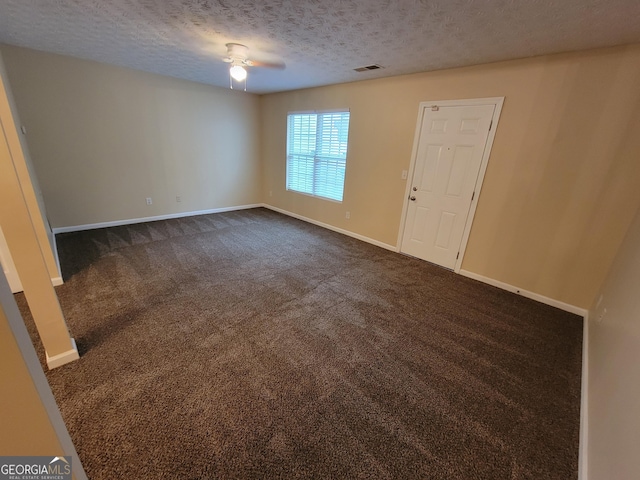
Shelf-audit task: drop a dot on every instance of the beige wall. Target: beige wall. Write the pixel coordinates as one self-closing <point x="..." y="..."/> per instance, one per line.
<point x="25" y="426"/>
<point x="562" y="182"/>
<point x="104" y="138"/>
<point x="30" y="421"/>
<point x="614" y="369"/>
<point x="19" y="219"/>
<point x="559" y="193"/>
<point x="26" y="174"/>
<point x="27" y="255"/>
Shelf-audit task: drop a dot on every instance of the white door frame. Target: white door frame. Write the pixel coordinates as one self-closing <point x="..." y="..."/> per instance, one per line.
<point x="6" y="262"/>
<point x="497" y="101"/>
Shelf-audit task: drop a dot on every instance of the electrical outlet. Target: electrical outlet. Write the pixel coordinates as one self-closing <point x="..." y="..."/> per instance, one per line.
<point x="149" y="201"/>
<point x="347" y="215"/>
<point x="178" y="198"/>
<point x="271" y="193"/>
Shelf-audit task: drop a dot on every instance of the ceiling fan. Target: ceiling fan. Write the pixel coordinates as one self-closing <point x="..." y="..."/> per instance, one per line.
<point x="238" y="57"/>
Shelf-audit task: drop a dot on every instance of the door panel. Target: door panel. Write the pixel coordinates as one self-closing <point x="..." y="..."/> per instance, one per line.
<point x="462" y="156"/>
<point x="420" y="225"/>
<point x="447" y="221"/>
<point x="448" y="159"/>
<point x="432" y="161"/>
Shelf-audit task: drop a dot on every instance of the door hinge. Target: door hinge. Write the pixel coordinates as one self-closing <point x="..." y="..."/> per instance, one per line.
<point x="473" y="195"/>
<point x="458" y="256"/>
<point x="491" y="124"/>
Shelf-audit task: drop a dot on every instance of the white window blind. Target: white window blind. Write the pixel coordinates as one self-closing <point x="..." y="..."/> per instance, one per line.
<point x="317" y="153"/>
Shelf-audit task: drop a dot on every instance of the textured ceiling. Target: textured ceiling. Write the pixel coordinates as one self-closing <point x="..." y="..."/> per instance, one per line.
<point x="321" y="41"/>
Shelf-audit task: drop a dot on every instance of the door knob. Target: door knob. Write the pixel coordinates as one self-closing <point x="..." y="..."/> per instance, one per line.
<point x="413" y="199"/>
<point x="415" y="189"/>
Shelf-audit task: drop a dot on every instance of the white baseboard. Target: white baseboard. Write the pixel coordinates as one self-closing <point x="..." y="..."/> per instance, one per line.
<point x="55" y="281"/>
<point x="56" y="257"/>
<point x="496" y="283"/>
<point x="331" y="227"/>
<point x="526" y="293"/>
<point x="71" y="355"/>
<point x="64" y="357"/>
<point x="583" y="460"/>
<point x="130" y="221"/>
<point x="584" y="387"/>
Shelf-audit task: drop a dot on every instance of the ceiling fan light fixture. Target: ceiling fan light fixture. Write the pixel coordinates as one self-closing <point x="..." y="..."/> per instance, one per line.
<point x="238" y="73"/>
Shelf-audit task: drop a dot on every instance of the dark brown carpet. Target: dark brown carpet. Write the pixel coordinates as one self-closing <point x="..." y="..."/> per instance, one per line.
<point x="253" y="345"/>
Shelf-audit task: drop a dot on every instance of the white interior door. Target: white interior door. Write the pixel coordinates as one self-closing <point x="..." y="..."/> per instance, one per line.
<point x="450" y="151"/>
<point x="8" y="266"/>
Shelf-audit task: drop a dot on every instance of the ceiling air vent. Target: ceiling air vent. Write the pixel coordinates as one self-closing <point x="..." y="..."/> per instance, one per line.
<point x="368" y="67"/>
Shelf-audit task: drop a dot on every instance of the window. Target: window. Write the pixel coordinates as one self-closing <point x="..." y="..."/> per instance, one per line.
<point x="317" y="153"/>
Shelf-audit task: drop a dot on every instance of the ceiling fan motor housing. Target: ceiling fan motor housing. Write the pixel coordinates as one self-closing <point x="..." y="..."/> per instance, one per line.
<point x="237" y="53"/>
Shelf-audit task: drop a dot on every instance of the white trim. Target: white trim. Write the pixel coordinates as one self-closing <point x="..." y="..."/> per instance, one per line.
<point x="19" y="331"/>
<point x="331" y="227"/>
<point x="130" y="221"/>
<point x="412" y="166"/>
<point x="583" y="452"/>
<point x="64" y="357"/>
<point x="483" y="169"/>
<point x="490" y="281"/>
<point x="497" y="102"/>
<point x="526" y="293"/>
<point x="310" y="112"/>
<point x="56" y="257"/>
<point x="8" y="267"/>
<point x="583" y="460"/>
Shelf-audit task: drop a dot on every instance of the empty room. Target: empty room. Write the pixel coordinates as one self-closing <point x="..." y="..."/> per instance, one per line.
<point x="320" y="239"/>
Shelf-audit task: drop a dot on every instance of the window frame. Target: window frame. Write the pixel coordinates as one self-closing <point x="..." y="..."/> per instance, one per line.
<point x="316" y="159"/>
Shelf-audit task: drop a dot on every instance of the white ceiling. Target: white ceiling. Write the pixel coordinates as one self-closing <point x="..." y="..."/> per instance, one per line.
<point x="320" y="41"/>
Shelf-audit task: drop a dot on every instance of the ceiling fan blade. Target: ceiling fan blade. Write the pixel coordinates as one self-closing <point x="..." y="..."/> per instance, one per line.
<point x="258" y="63"/>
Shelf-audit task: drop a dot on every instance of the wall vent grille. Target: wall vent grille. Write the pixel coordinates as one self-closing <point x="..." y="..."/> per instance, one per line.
<point x="368" y="67"/>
